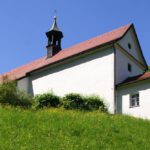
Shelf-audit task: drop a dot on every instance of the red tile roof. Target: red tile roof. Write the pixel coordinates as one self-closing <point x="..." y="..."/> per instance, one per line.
<point x="68" y="52"/>
<point x="134" y="79"/>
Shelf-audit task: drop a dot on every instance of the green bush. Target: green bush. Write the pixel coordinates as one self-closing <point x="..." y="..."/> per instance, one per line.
<point x="24" y="100"/>
<point x="47" y="100"/>
<point x="73" y="101"/>
<point x="10" y="95"/>
<point x="94" y="103"/>
<point x="77" y="101"/>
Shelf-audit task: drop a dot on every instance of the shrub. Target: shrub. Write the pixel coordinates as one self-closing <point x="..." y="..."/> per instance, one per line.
<point x="73" y="101"/>
<point x="46" y="100"/>
<point x="94" y="103"/>
<point x="10" y="95"/>
<point x="77" y="101"/>
<point x="24" y="100"/>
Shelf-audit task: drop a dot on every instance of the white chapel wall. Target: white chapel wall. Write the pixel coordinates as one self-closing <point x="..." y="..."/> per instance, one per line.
<point x="130" y="38"/>
<point x="91" y="74"/>
<point x="122" y="72"/>
<point x="123" y="99"/>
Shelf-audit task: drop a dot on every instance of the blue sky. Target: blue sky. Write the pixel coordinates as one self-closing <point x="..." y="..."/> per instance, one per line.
<point x="23" y="25"/>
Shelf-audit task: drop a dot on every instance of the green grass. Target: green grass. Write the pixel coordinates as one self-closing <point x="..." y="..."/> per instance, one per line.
<point x="58" y="129"/>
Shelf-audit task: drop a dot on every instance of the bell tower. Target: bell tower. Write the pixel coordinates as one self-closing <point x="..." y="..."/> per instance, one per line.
<point x="54" y="36"/>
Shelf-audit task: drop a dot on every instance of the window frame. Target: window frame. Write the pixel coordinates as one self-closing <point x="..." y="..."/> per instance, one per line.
<point x="134" y="100"/>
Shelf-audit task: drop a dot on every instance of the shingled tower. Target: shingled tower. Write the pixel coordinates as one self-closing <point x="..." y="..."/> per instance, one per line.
<point x="54" y="36"/>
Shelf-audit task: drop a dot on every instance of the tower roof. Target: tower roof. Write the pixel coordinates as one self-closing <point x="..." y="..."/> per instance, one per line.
<point x="54" y="26"/>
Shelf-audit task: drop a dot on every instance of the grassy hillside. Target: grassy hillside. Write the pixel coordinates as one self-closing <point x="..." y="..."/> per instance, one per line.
<point x="70" y="130"/>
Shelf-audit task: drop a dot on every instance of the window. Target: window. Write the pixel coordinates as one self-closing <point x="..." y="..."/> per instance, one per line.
<point x="129" y="67"/>
<point x="134" y="100"/>
<point x="129" y="46"/>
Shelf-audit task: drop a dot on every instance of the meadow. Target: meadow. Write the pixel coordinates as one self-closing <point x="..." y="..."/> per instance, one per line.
<point x="59" y="129"/>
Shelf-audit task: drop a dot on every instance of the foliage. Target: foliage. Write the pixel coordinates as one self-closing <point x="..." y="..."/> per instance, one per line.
<point x="70" y="130"/>
<point x="94" y="102"/>
<point x="10" y="95"/>
<point x="46" y="100"/>
<point x="77" y="101"/>
<point x="73" y="101"/>
<point x="24" y="100"/>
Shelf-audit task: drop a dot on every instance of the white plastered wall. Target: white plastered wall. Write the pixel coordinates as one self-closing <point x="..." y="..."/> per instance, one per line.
<point x="123" y="99"/>
<point x="131" y="38"/>
<point x="90" y="74"/>
<point x="122" y="72"/>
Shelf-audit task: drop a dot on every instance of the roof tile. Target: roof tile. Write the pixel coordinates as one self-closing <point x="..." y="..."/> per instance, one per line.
<point x="137" y="78"/>
<point x="68" y="52"/>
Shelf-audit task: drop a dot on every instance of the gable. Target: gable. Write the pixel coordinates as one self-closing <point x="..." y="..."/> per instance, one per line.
<point x="131" y="44"/>
<point x="121" y="65"/>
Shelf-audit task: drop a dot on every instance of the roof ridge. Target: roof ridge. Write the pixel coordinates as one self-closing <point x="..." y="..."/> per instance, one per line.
<point x="113" y="30"/>
<point x="71" y="51"/>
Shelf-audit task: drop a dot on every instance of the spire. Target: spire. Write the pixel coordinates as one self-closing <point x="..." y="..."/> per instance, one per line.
<point x="54" y="26"/>
<point x="54" y="36"/>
